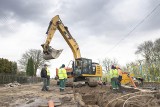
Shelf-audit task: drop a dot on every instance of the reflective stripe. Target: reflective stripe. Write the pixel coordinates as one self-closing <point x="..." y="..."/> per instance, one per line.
<point x="48" y="72"/>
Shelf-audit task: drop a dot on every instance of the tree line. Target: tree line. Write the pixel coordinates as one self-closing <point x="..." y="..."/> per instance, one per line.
<point x="29" y="63"/>
<point x="8" y="67"/>
<point x="150" y="64"/>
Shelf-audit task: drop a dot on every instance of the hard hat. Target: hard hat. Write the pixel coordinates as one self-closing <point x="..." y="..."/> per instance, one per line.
<point x="117" y="67"/>
<point x="45" y="65"/>
<point x="63" y="65"/>
<point x="112" y="67"/>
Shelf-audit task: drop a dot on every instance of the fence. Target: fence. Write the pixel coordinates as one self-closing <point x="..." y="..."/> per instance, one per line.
<point x="4" y="79"/>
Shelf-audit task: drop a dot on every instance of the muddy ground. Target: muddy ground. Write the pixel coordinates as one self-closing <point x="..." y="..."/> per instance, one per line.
<point x="101" y="96"/>
<point x="31" y="96"/>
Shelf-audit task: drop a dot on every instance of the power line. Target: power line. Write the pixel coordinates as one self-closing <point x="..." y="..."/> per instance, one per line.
<point x="134" y="28"/>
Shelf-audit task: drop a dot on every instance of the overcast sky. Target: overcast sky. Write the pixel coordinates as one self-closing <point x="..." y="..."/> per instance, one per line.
<point x="100" y="27"/>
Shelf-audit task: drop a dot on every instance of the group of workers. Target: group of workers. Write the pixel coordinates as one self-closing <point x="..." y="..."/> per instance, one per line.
<point x="116" y="77"/>
<point x="45" y="75"/>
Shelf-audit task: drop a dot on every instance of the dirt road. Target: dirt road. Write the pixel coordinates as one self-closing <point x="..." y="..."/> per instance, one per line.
<point x="32" y="96"/>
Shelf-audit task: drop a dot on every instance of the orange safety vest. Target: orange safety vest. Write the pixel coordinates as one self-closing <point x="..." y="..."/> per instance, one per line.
<point x="120" y="72"/>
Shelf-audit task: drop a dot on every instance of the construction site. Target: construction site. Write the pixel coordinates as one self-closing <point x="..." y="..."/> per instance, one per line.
<point x="113" y="61"/>
<point x="30" y="95"/>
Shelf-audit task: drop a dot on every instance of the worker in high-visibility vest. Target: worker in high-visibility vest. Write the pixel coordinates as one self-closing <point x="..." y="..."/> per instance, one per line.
<point x="62" y="74"/>
<point x="48" y="77"/>
<point x="114" y="77"/>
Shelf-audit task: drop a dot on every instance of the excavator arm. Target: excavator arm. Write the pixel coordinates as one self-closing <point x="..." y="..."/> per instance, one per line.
<point x="49" y="52"/>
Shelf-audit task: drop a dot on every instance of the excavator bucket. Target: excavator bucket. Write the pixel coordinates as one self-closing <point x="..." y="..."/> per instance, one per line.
<point x="53" y="54"/>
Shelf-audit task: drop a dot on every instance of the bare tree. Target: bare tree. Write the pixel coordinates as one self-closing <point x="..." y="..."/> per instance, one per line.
<point x="157" y="50"/>
<point x="37" y="56"/>
<point x="156" y="64"/>
<point x="106" y="63"/>
<point x="146" y="50"/>
<point x="151" y="53"/>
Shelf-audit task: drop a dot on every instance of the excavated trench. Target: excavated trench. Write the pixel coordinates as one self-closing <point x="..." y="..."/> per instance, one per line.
<point x="90" y="99"/>
<point x="126" y="97"/>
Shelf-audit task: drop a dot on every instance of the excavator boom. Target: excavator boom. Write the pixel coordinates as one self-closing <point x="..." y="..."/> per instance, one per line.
<point x="51" y="53"/>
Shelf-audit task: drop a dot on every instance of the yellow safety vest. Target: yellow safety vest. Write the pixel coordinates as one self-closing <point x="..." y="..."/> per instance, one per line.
<point x="48" y="72"/>
<point x="62" y="73"/>
<point x="113" y="73"/>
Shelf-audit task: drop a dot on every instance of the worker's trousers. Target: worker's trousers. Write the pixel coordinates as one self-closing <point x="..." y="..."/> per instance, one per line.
<point x="65" y="80"/>
<point x="44" y="88"/>
<point x="61" y="84"/>
<point x="114" y="82"/>
<point x="48" y="82"/>
<point x="119" y="81"/>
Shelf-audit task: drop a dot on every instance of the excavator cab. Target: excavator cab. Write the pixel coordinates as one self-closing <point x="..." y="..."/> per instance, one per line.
<point x="86" y="70"/>
<point x="51" y="53"/>
<point x="83" y="66"/>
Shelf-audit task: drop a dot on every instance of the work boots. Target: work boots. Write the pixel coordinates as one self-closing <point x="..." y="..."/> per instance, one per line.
<point x="61" y="90"/>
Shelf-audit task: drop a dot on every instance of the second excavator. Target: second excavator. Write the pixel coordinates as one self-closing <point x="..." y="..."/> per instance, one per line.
<point x="83" y="68"/>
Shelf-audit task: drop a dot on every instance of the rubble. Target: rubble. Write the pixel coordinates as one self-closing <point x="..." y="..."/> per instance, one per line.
<point x="14" y="84"/>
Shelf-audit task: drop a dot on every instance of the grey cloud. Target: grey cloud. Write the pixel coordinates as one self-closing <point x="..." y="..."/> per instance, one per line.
<point x="152" y="21"/>
<point x="88" y="14"/>
<point x="94" y="17"/>
<point x="23" y="10"/>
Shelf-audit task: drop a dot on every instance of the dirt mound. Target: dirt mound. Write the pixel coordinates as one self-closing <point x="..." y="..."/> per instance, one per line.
<point x="151" y="85"/>
<point x="14" y="84"/>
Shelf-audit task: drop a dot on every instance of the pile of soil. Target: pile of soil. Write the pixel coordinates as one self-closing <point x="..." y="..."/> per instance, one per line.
<point x="14" y="84"/>
<point x="151" y="85"/>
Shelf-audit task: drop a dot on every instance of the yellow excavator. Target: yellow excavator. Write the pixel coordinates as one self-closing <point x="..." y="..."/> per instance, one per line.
<point x="83" y="69"/>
